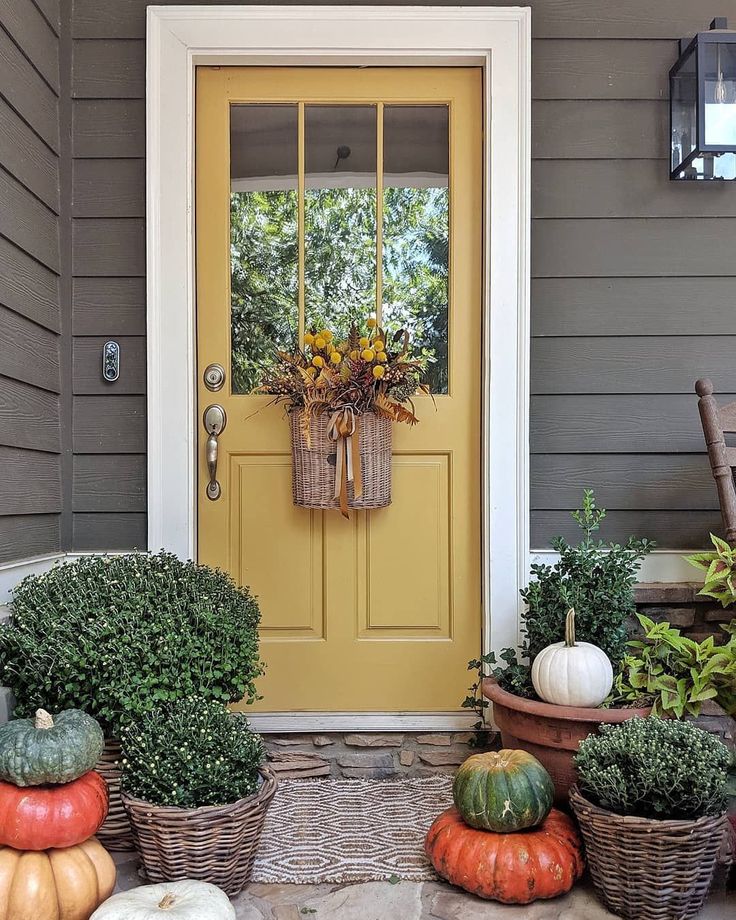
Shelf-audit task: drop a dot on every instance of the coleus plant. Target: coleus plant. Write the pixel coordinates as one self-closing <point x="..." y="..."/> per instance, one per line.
<point x="720" y="571"/>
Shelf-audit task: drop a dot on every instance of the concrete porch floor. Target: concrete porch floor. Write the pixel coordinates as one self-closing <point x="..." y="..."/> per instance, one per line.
<point x="413" y="901"/>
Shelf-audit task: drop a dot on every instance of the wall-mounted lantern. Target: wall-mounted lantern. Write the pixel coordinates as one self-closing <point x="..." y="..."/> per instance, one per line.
<point x="703" y="106"/>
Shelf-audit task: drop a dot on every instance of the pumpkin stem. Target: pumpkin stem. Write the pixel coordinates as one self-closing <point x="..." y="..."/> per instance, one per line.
<point x="167" y="901"/>
<point x="43" y="719"/>
<point x="570" y="628"/>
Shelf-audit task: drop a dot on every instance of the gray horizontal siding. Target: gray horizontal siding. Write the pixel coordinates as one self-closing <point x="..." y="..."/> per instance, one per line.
<point x="30" y="482"/>
<point x="109" y="424"/>
<point x="31" y="485"/>
<point x="633" y="281"/>
<point x="29" y="417"/>
<point x="23" y="20"/>
<point x="109" y="531"/>
<point x="109" y="188"/>
<point x="675" y="530"/>
<point x="27" y="535"/>
<point x="550" y="18"/>
<point x="106" y="483"/>
<point x="633" y="424"/>
<point x="647" y="364"/>
<point x="109" y="128"/>
<point x="24" y="155"/>
<point x="109" y="306"/>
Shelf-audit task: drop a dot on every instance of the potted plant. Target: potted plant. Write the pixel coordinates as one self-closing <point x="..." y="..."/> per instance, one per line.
<point x="595" y="580"/>
<point x="196" y="791"/>
<point x="651" y="806"/>
<point x="115" y="636"/>
<point x="343" y="398"/>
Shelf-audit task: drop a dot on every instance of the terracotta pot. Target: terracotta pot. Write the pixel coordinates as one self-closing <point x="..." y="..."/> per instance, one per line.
<point x="551" y="733"/>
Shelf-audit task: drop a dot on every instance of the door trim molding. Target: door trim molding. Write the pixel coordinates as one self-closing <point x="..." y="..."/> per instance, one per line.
<point x="278" y="722"/>
<point x="498" y="39"/>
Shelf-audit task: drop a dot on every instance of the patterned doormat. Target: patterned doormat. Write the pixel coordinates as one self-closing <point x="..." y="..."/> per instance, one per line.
<point x="350" y="830"/>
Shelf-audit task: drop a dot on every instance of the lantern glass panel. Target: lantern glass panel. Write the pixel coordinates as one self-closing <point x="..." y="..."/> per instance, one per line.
<point x="719" y="59"/>
<point x="684" y="102"/>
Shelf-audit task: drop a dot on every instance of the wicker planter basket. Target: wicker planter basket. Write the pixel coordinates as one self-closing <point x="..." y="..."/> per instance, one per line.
<point x="115" y="833"/>
<point x="644" y="869"/>
<point x="313" y="467"/>
<point x="216" y="843"/>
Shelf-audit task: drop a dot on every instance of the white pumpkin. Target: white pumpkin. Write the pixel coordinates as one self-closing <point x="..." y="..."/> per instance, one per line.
<point x="572" y="673"/>
<point x="185" y="900"/>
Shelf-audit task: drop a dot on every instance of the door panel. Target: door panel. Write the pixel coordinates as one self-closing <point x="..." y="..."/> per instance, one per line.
<point x="323" y="195"/>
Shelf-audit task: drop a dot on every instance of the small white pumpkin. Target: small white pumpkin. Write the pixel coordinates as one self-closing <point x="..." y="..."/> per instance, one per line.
<point x="572" y="673"/>
<point x="185" y="900"/>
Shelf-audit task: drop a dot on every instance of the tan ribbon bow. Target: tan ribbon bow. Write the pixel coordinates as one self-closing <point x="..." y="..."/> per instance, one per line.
<point x="344" y="431"/>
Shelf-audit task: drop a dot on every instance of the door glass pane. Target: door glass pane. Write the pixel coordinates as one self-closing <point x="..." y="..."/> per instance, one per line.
<point x="416" y="231"/>
<point x="339" y="216"/>
<point x="264" y="249"/>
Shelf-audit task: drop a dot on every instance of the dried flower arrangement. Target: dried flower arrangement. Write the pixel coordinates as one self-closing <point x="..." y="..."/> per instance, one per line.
<point x="365" y="372"/>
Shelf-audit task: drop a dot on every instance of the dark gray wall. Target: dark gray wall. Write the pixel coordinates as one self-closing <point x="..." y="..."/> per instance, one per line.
<point x="31" y="320"/>
<point x="634" y="277"/>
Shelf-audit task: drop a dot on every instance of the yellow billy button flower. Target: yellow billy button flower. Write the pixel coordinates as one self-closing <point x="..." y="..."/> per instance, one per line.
<point x="378" y="371"/>
<point x="326" y="335"/>
<point x="312" y="371"/>
<point x="371" y="324"/>
<point x="318" y="361"/>
<point x="382" y="357"/>
<point x="336" y="357"/>
<point x="308" y="339"/>
<point x="319" y="342"/>
<point x="379" y="345"/>
<point x="354" y="355"/>
<point x="364" y="342"/>
<point x="367" y="354"/>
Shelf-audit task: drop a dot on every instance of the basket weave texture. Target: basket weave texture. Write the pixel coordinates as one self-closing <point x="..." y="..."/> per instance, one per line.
<point x="313" y="467"/>
<point x="115" y="833"/>
<point x="215" y="843"/>
<point x="646" y="869"/>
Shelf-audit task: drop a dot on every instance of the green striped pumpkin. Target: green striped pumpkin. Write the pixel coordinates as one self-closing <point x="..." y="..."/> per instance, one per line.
<point x="503" y="791"/>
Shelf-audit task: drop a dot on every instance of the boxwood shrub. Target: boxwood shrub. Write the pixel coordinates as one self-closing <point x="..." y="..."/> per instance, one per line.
<point x="117" y="636"/>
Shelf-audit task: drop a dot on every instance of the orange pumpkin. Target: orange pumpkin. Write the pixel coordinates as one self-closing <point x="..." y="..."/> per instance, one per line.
<point x="66" y="884"/>
<point x="515" y="868"/>
<point x="40" y="817"/>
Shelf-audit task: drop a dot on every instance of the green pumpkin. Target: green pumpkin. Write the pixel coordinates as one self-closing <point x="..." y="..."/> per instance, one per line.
<point x="503" y="791"/>
<point x="49" y="749"/>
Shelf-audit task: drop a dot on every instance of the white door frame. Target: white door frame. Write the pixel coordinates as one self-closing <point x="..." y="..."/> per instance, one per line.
<point x="499" y="40"/>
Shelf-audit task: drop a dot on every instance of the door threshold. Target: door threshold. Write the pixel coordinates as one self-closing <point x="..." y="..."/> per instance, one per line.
<point x="361" y="721"/>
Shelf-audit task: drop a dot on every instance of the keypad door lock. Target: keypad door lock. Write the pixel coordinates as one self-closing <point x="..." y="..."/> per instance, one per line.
<point x="110" y="361"/>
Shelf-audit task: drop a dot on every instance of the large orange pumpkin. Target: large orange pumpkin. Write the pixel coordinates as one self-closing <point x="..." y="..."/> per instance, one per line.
<point x="514" y="868"/>
<point x="64" y="884"/>
<point x="40" y="817"/>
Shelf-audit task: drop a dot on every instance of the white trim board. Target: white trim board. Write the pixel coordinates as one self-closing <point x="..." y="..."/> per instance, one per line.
<point x="361" y="721"/>
<point x="498" y="39"/>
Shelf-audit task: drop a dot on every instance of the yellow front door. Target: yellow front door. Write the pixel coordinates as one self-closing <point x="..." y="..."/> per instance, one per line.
<point x="325" y="195"/>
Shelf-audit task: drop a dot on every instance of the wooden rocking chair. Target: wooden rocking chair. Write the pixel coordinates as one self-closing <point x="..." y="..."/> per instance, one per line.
<point x="718" y="420"/>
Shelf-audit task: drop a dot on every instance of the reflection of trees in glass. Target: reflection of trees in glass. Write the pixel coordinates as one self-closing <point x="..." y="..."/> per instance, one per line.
<point x="415" y="273"/>
<point x="264" y="281"/>
<point x="339" y="272"/>
<point x="340" y="258"/>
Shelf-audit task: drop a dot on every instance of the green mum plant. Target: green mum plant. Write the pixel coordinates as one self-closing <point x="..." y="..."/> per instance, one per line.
<point x="190" y="753"/>
<point x="654" y="768"/>
<point x="117" y="636"/>
<point x="720" y="571"/>
<point x="675" y="674"/>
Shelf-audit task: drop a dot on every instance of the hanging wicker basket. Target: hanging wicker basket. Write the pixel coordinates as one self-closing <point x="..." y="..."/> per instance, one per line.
<point x="315" y="466"/>
<point x="646" y="869"/>
<point x="115" y="833"/>
<point x="215" y="843"/>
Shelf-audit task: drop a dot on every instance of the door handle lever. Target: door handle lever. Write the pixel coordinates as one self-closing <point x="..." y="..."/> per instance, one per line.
<point x="214" y="420"/>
